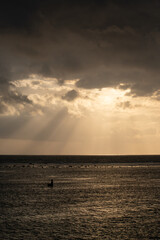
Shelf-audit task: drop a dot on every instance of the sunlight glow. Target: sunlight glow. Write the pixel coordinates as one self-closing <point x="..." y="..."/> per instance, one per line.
<point x="93" y="121"/>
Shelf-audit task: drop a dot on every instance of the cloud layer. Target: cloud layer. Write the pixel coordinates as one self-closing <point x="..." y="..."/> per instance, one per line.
<point x="101" y="43"/>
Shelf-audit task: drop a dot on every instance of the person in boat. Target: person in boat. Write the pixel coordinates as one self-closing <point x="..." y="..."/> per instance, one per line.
<point x="50" y="184"/>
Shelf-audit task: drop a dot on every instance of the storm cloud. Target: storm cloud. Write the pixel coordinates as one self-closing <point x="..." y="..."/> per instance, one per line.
<point x="101" y="43"/>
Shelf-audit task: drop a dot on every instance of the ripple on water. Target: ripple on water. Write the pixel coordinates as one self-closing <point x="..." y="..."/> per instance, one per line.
<point x="86" y="202"/>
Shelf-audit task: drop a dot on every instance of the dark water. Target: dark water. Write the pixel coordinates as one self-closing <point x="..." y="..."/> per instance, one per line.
<point x="106" y="200"/>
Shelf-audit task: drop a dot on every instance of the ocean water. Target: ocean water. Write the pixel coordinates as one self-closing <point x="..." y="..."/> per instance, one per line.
<point x="105" y="200"/>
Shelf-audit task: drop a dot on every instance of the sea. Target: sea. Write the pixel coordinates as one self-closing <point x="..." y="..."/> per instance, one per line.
<point x="92" y="198"/>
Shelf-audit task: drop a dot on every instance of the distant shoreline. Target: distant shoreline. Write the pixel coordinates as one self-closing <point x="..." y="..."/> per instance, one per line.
<point x="90" y="159"/>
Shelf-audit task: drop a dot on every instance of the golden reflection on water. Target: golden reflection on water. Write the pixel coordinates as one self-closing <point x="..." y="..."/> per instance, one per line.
<point x="87" y="201"/>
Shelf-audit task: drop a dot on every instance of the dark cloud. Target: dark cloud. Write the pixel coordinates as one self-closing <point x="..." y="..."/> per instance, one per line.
<point x="16" y="97"/>
<point x="101" y="43"/>
<point x="125" y="105"/>
<point x="3" y="108"/>
<point x="70" y="95"/>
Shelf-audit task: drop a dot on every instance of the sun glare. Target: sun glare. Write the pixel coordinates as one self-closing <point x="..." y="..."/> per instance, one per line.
<point x="110" y="95"/>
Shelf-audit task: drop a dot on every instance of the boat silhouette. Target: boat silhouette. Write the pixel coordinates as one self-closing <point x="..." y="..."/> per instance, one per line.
<point x="50" y="184"/>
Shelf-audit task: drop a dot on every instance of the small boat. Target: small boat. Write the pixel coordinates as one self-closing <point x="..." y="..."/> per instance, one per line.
<point x="50" y="184"/>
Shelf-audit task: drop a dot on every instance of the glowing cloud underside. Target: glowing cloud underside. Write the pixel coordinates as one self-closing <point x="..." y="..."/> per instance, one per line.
<point x="64" y="119"/>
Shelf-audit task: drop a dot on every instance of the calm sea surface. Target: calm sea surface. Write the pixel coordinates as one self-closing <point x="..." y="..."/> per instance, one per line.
<point x="105" y="200"/>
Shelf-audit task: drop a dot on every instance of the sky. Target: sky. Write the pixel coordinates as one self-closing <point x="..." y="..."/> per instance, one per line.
<point x="80" y="77"/>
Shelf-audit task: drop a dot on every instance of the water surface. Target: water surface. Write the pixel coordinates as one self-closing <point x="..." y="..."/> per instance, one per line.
<point x="88" y="201"/>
